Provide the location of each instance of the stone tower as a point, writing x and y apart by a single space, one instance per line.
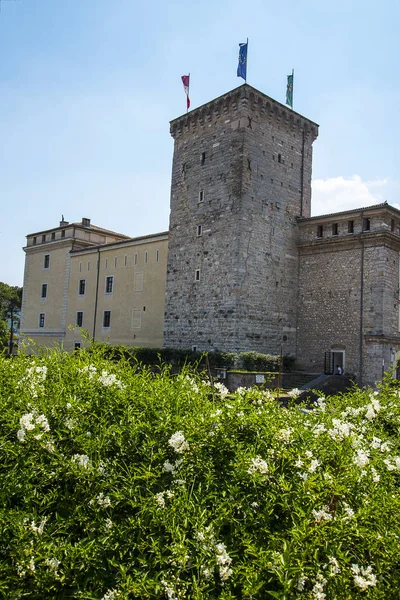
241 177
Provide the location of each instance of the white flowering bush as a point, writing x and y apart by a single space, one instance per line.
117 483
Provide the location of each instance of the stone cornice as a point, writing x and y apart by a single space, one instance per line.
350 241
243 100
355 212
381 338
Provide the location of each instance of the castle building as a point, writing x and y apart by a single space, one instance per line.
243 266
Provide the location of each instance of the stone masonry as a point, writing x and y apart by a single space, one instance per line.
241 177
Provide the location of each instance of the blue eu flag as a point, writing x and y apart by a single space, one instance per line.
242 65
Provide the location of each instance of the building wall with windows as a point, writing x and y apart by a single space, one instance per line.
243 267
123 299
349 291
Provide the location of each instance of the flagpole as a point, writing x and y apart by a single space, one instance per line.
247 57
292 87
187 108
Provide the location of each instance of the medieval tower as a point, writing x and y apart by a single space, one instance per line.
241 178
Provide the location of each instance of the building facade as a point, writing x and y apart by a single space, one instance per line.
243 266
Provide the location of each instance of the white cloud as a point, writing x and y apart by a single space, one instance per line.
338 194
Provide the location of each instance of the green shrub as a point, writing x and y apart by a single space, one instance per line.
117 482
254 361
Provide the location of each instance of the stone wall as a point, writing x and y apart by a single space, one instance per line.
241 176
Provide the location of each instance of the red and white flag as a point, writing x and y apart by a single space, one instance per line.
185 81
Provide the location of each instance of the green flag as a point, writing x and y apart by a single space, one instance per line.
289 90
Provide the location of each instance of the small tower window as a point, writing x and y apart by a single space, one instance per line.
350 227
199 229
44 290
201 196
146 257
197 275
335 229
320 231
53 235
43 238
392 224
34 240
366 224
280 158
157 256
203 158
46 263
63 233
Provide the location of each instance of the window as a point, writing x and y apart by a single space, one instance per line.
197 275
41 319
138 281
79 318
53 235
44 238
146 257
106 318
88 265
106 264
350 227
136 322
199 229
392 225
125 260
46 262
320 231
201 196
157 256
366 224
280 158
77 345
194 348
34 240
115 262
109 284
335 229
135 259
80 267
203 158
82 287
44 290
63 233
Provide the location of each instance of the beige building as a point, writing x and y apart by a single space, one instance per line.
82 277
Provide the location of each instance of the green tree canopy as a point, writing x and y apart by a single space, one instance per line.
10 306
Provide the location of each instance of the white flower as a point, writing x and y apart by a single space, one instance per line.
364 580
318 429
178 443
285 434
170 592
254 505
258 465
375 475
90 370
69 423
26 422
110 595
21 435
43 422
159 498
103 500
82 460
299 463
109 524
301 583
207 573
53 563
308 453
322 515
314 465
109 379
349 511
49 447
294 393
31 565
341 429
361 458
38 529
223 391
334 566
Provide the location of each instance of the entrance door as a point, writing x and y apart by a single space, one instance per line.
338 360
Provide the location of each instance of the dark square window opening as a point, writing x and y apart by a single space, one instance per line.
335 229
82 287
41 319
350 227
44 290
53 235
46 262
366 224
320 231
79 318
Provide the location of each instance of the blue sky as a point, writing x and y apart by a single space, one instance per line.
88 87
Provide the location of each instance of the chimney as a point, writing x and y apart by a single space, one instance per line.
85 222
63 222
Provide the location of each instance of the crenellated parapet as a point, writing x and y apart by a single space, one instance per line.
242 101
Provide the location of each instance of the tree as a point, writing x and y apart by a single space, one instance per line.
10 307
